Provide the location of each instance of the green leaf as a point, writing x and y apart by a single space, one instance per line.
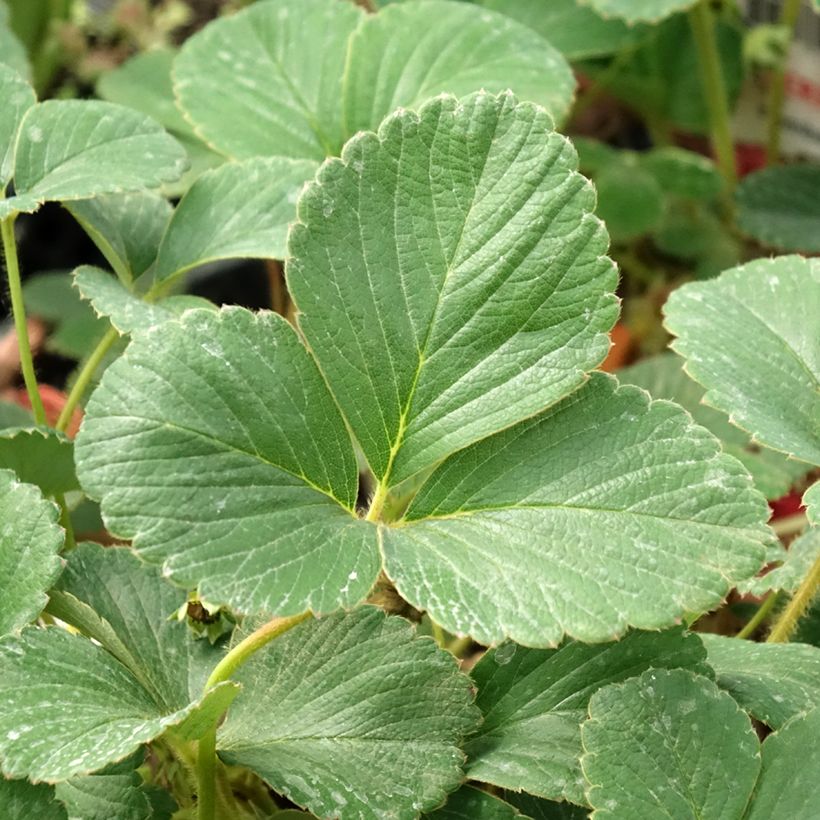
794 567
366 725
76 149
607 511
779 207
41 457
750 338
16 97
788 785
668 744
663 377
630 200
13 415
576 31
72 705
23 801
127 228
639 11
127 311
534 701
470 803
12 51
241 209
683 173
485 296
811 500
772 681
257 473
30 542
397 59
539 809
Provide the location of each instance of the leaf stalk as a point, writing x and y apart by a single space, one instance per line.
800 602
777 90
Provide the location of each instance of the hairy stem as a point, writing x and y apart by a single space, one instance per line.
777 90
242 652
763 612
787 622
702 22
85 376
19 311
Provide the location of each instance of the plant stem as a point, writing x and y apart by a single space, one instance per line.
206 755
763 612
85 376
786 623
19 311
777 91
714 89
374 511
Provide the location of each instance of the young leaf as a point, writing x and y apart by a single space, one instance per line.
450 277
30 542
779 207
398 59
16 97
788 785
670 744
365 724
21 800
771 681
72 705
639 11
794 567
241 209
470 803
605 512
663 377
227 415
127 228
41 457
76 149
749 337
127 311
534 701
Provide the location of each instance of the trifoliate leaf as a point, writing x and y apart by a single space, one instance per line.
668 744
73 705
683 173
771 681
241 209
639 11
663 377
470 803
751 338
788 785
127 311
76 149
398 59
450 277
30 542
41 457
489 546
794 567
576 31
229 416
366 725
22 800
127 228
537 808
779 207
16 97
534 701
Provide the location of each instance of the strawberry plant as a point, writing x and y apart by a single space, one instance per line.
401 548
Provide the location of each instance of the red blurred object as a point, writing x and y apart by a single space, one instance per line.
53 403
789 504
618 354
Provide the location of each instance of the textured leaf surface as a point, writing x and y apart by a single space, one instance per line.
127 228
22 800
366 724
668 524
788 785
811 500
773 682
752 339
241 209
215 445
469 803
537 808
664 378
127 311
16 97
639 11
30 541
779 207
397 59
534 701
483 298
76 149
668 744
41 457
795 566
